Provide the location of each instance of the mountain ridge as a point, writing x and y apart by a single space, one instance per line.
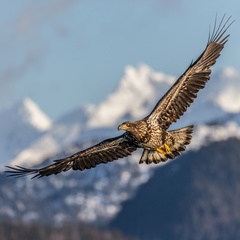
193 197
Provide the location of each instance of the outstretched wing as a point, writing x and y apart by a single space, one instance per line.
104 152
176 101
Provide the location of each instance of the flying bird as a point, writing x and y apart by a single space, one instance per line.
151 133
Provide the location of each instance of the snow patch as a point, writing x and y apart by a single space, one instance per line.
225 87
32 113
38 151
205 134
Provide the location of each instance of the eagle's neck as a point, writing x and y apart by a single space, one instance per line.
140 131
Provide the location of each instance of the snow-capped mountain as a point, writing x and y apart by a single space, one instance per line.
96 195
19 127
137 93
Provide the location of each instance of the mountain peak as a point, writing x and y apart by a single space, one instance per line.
20 125
31 113
137 84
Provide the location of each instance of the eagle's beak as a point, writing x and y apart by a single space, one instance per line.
122 127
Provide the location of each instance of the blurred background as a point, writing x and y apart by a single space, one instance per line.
70 72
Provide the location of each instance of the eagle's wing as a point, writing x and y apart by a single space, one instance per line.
176 101
106 151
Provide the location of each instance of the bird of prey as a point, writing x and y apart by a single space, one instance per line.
151 133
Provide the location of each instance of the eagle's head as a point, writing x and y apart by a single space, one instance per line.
127 126
138 129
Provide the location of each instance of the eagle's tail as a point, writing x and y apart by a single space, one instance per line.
181 137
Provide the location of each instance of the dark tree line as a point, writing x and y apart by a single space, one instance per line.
36 231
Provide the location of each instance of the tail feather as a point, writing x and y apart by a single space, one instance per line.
181 137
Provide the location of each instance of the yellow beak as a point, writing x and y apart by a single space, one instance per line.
122 127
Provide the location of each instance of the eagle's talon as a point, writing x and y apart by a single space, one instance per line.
164 149
167 148
160 150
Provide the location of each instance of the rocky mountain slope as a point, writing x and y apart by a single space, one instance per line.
194 197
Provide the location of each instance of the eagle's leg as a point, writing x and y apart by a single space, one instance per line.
164 149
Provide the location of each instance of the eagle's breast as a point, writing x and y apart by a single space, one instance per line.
149 135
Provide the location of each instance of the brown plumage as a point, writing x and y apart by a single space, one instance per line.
150 133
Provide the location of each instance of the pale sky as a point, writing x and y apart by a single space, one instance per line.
66 53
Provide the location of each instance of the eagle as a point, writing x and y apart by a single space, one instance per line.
150 133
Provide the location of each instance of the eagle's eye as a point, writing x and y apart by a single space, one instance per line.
127 124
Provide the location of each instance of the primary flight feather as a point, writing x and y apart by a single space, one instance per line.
151 133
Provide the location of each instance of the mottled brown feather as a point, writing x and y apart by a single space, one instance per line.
104 152
176 101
